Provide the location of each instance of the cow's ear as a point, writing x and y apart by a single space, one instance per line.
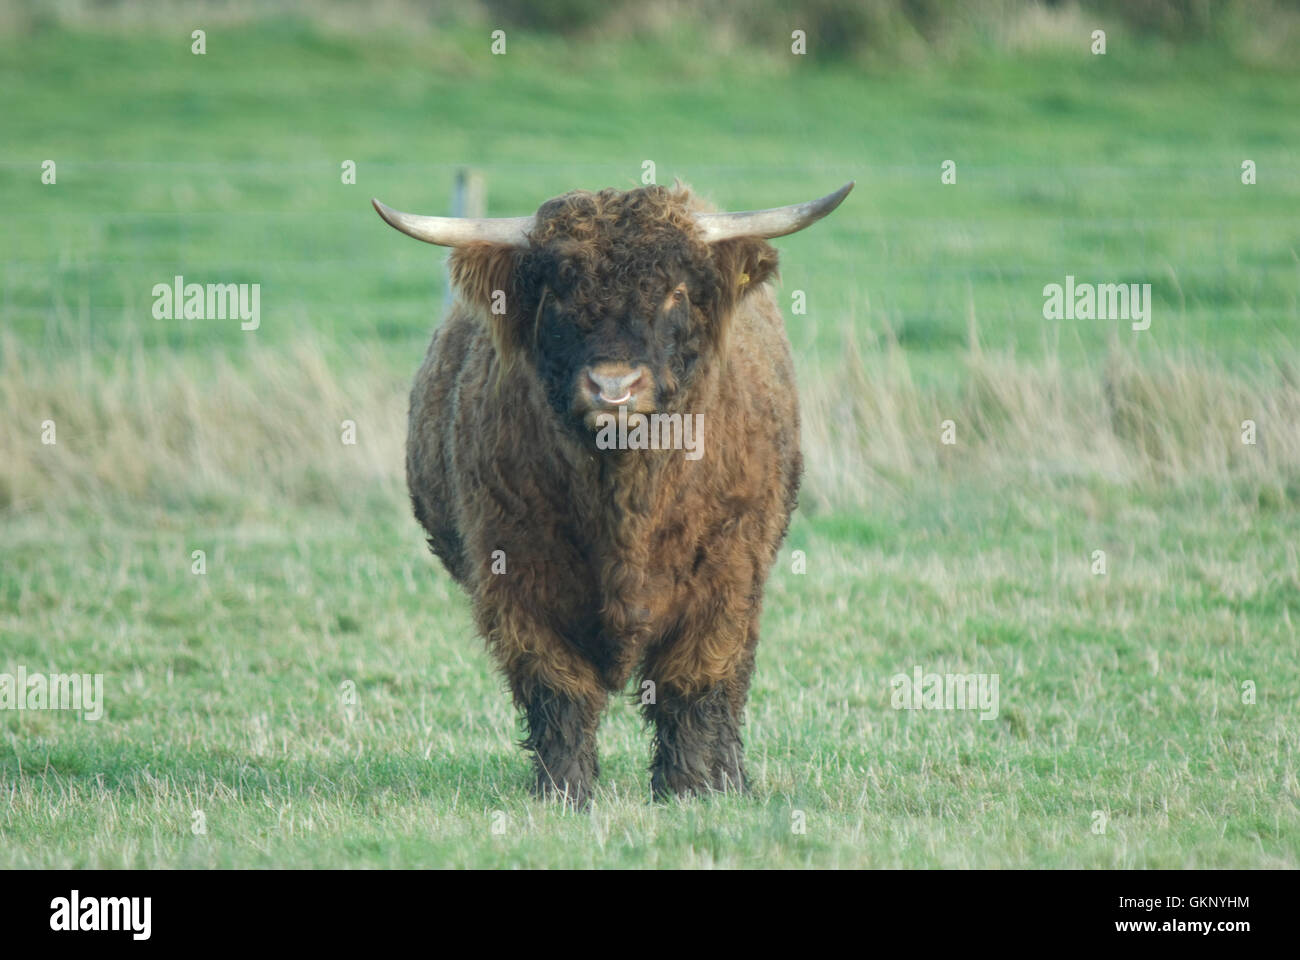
486 275
744 264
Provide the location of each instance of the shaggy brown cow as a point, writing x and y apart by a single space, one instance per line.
586 563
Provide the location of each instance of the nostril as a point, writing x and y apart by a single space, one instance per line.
608 389
615 387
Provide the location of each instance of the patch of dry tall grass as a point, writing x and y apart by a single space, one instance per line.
261 425
1166 420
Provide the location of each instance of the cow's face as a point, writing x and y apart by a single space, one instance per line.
620 303
630 327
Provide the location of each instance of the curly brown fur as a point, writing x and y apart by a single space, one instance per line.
615 560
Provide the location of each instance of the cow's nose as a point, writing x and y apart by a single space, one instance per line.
616 383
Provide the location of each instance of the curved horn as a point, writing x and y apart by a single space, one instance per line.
458 231
776 222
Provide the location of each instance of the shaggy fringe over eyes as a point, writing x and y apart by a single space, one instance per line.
593 251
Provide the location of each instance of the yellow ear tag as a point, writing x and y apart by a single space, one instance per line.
744 279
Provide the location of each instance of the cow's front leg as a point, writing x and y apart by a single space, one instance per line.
559 694
697 745
698 707
562 736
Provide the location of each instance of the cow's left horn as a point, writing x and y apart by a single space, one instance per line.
458 231
776 222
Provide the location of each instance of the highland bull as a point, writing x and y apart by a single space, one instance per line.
589 563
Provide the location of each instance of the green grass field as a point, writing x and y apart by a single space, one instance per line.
1121 694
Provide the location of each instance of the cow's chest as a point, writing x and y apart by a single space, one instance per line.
631 594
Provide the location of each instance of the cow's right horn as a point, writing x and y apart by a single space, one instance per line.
458 231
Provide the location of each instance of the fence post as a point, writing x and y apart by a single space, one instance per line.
468 199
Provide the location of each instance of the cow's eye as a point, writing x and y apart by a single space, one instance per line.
678 295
